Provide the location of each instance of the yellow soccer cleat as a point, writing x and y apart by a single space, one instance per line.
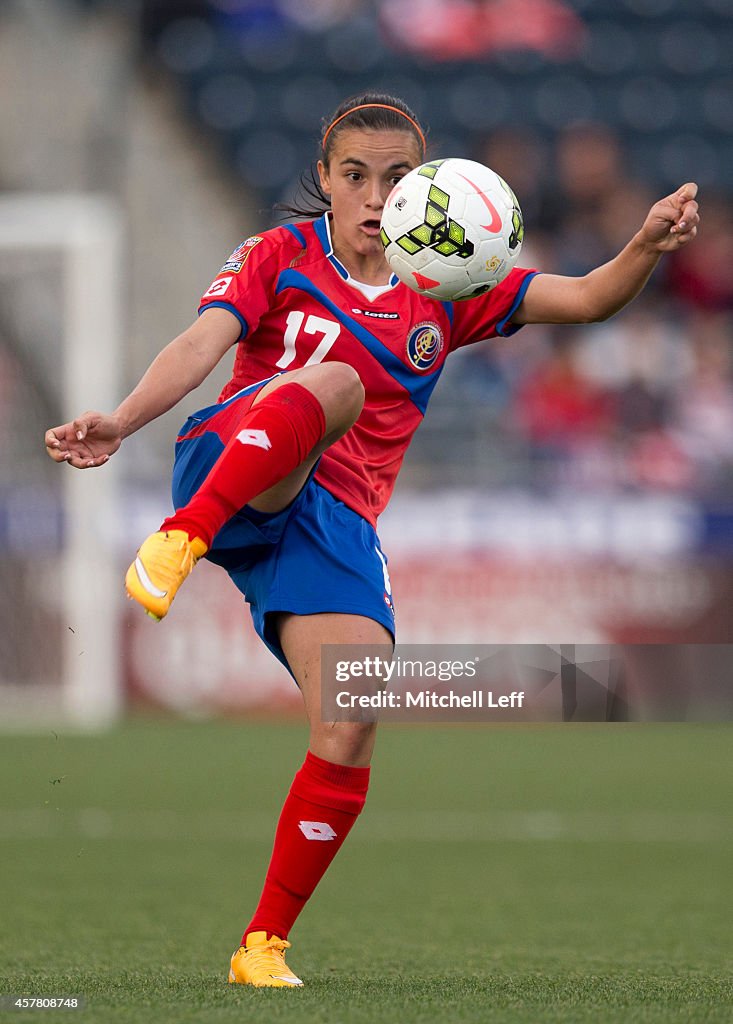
262 963
162 564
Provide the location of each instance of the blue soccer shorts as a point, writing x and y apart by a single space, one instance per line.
315 555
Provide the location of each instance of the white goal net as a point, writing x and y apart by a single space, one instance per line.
60 323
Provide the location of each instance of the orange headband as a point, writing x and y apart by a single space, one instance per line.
382 106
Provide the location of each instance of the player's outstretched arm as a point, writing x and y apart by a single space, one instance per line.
671 223
92 438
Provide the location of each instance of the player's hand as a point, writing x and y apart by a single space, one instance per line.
86 442
672 222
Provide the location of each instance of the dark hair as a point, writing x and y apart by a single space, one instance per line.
371 110
374 110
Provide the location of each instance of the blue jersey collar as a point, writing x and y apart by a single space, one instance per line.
322 228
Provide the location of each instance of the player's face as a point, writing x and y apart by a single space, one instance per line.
365 166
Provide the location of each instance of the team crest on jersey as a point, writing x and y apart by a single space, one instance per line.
424 345
239 257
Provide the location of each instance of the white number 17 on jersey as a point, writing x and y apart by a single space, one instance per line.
313 325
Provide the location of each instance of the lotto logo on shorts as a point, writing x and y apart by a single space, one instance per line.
318 830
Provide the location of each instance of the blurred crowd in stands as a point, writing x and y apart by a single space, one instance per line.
644 400
440 29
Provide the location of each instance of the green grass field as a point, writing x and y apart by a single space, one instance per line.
517 874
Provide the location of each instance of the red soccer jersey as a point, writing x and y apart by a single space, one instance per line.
298 306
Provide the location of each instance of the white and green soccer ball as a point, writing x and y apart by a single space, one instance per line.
452 229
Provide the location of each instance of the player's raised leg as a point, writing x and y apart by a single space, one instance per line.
267 458
326 797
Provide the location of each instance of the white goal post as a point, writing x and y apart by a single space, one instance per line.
86 232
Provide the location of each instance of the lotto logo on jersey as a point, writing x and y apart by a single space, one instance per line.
424 345
239 257
373 315
218 287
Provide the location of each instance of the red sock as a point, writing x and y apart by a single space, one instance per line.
270 441
323 804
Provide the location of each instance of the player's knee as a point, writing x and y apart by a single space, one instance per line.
339 389
345 393
343 742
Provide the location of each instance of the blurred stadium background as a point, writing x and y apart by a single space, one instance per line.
586 497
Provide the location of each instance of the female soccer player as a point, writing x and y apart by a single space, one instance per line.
281 482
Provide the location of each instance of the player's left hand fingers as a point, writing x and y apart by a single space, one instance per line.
687 191
687 216
683 237
687 220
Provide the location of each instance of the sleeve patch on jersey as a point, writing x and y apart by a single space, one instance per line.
239 257
219 286
231 267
